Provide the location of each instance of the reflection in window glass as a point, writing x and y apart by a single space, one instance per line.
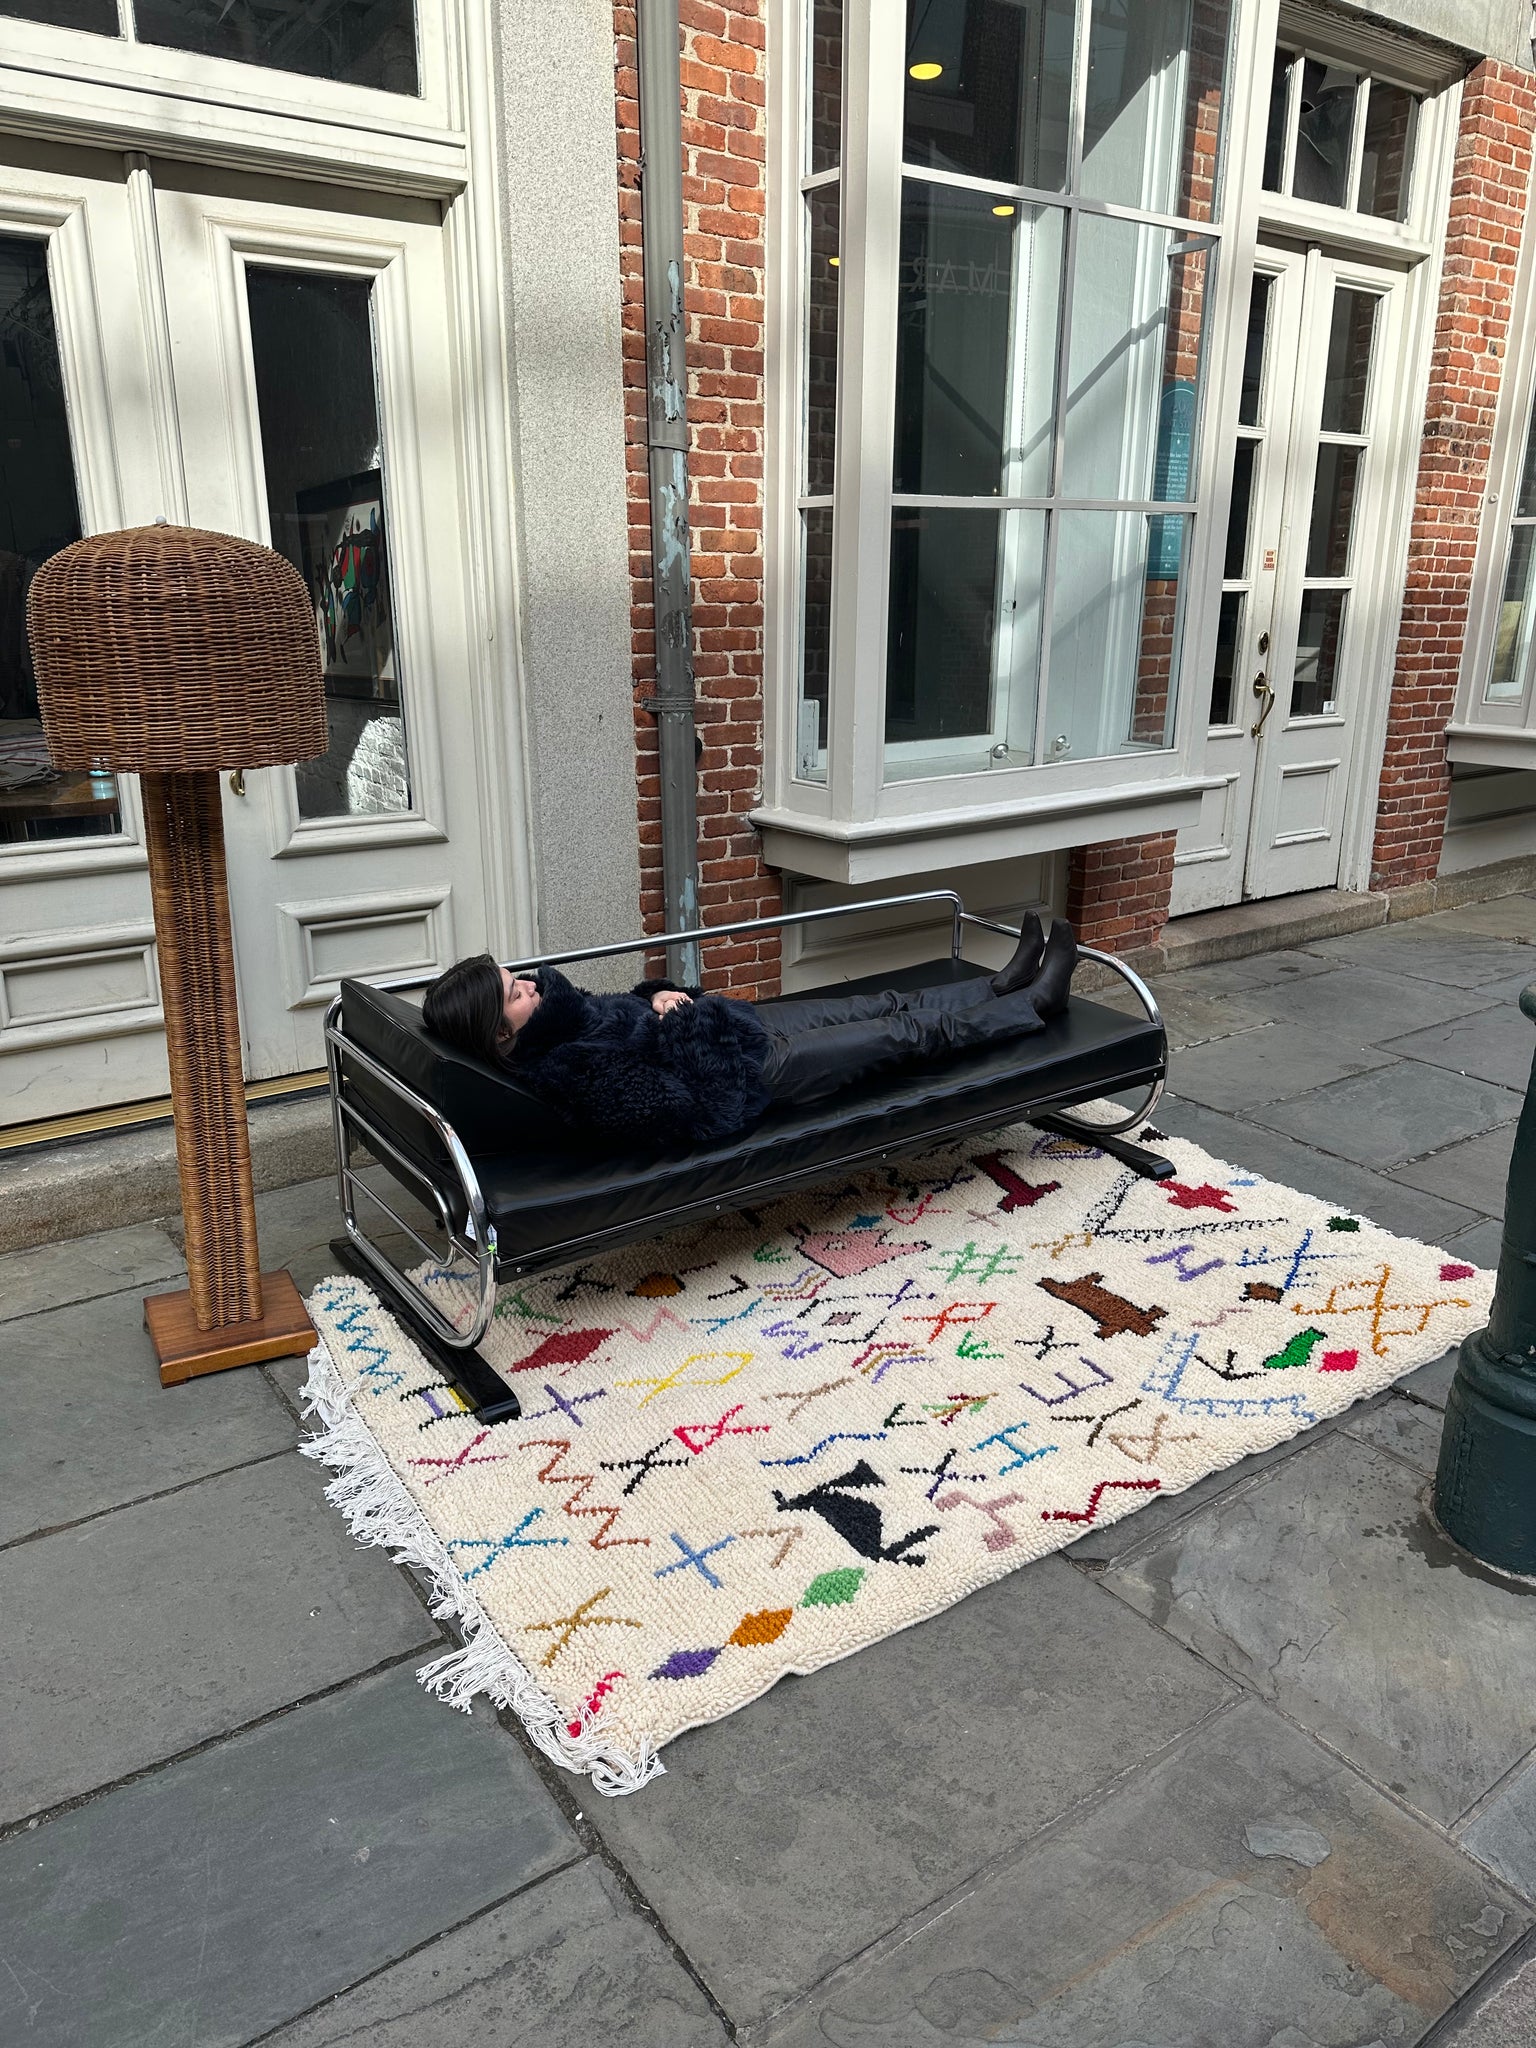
39 514
1347 378
1250 406
1386 151
1525 507
96 17
1324 125
1114 625
825 126
1274 133
1319 633
1229 628
312 347
1333 510
1512 638
822 209
989 89
1141 72
980 287
350 42
1238 519
815 643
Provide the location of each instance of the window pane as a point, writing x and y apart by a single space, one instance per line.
821 294
1333 510
1526 506
1386 159
1347 381
1114 619
979 295
815 643
1512 641
1323 130
1229 631
963 657
1134 362
98 17
989 89
1319 633
1239 518
38 515
1250 407
1154 103
1274 134
351 42
312 344
825 127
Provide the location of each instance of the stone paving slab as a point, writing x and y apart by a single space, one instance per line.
88 1425
788 1835
1247 1891
1266 1065
1503 1833
569 1964
1389 1202
1325 1588
1490 1045
1259 970
1430 951
1363 1005
1477 1171
1431 1383
1405 1428
1503 917
154 1628
1481 1244
51 1275
1500 2014
1392 1115
1191 1018
211 1902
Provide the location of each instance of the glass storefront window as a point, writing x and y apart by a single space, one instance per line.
39 514
1317 112
1510 667
312 351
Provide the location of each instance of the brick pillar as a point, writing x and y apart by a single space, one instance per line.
1118 892
1482 246
724 198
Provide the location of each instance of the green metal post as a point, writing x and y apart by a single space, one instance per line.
1485 1488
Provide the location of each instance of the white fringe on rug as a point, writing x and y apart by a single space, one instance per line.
379 1510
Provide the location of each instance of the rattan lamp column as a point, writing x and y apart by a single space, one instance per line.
172 653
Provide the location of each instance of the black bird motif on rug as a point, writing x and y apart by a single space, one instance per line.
857 1521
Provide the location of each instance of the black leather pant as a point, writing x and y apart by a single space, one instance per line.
821 1045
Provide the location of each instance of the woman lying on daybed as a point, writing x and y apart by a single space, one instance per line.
665 1065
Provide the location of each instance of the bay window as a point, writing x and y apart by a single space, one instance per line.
999 243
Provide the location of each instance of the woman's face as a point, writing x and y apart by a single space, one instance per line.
519 1000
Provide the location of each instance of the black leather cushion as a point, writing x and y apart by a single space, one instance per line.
543 1186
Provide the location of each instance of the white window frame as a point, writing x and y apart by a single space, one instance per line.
856 826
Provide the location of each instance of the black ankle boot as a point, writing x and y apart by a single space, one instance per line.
1053 984
1025 964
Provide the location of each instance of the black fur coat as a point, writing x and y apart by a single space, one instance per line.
608 1062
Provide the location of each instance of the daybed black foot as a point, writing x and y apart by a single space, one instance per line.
487 1393
1150 1165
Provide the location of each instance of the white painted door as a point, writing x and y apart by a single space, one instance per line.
1302 579
314 383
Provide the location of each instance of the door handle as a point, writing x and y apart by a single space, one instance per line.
1262 689
237 782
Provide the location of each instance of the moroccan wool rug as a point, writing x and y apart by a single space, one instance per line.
756 1447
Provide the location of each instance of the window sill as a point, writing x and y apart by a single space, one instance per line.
1491 746
884 849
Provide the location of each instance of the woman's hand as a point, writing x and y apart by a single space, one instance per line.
666 999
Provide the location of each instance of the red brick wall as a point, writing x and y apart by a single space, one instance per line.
724 197
1493 165
1117 892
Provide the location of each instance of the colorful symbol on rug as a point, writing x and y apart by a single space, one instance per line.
1202 1197
1263 1290
568 1406
790 1538
449 1467
648 1462
1099 1420
833 1589
1181 1258
581 1483
565 1626
952 1317
972 1346
1114 1315
1374 1302
699 1436
593 1701
1296 1352
876 1360
1019 1456
1017 1193
944 1412
940 1473
847 1253
513 1302
657 1287
664 1319
1343 1223
912 1421
770 1255
496 1547
695 1558
1339 1361
756 1631
1000 1536
1090 1513
1154 1439
838 1436
377 1372
668 1383
803 1400
685 1664
1071 1388
1181 1352
443 1402
840 1504
970 1263
561 1347
1454 1272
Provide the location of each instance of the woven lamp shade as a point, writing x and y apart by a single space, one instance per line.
164 649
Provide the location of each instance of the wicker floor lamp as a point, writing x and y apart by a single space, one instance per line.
172 653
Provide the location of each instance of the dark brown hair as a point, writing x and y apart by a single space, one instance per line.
463 1006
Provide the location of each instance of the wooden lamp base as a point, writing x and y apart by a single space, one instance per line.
283 1330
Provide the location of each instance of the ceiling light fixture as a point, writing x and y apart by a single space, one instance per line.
925 73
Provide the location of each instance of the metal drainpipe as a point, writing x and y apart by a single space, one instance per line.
661 203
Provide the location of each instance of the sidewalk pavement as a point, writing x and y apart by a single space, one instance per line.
1255 1768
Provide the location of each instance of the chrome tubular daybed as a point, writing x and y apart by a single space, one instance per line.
514 1191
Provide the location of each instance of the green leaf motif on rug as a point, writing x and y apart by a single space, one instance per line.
834 1589
972 1346
1297 1351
